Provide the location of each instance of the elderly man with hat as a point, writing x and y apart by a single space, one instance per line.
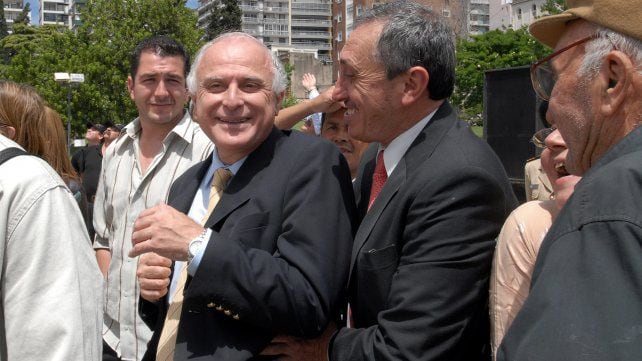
586 293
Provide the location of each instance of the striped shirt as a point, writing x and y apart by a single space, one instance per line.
123 192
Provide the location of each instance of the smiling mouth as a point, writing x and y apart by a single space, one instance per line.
233 121
560 168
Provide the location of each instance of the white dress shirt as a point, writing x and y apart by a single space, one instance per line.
196 212
398 147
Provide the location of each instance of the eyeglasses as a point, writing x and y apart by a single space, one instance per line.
540 136
542 75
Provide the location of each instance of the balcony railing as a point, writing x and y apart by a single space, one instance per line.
250 20
280 33
249 8
276 9
311 22
312 34
322 12
275 21
320 46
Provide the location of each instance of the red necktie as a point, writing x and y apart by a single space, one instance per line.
379 178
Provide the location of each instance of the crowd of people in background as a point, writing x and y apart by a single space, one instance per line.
382 229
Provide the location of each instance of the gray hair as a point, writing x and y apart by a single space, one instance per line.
413 35
279 78
597 49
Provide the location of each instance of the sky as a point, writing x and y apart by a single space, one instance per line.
35 8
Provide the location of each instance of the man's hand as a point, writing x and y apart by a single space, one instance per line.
288 348
153 276
307 128
324 102
309 81
165 231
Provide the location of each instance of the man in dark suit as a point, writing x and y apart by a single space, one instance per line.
432 197
261 264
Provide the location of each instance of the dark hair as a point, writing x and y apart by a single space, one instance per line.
162 46
413 35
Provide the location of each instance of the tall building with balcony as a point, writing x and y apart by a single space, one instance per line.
514 13
284 25
346 12
478 17
12 8
61 12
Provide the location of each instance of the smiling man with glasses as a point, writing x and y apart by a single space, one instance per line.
584 302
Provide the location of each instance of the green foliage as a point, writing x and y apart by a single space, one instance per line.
492 50
100 48
3 22
23 17
289 99
553 7
225 16
4 31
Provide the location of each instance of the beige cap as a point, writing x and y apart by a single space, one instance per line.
623 16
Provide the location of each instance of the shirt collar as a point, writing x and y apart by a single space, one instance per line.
183 129
216 164
398 147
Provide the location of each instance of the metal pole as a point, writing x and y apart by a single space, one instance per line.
69 118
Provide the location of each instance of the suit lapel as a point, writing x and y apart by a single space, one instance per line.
182 196
239 190
420 150
390 188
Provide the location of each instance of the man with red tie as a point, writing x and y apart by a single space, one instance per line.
431 196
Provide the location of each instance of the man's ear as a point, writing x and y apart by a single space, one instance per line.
130 87
192 107
9 132
615 79
415 84
279 102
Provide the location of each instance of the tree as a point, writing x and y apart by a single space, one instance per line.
4 31
23 17
225 16
3 22
492 50
100 48
553 7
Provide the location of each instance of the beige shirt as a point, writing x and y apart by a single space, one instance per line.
536 183
123 192
513 263
51 287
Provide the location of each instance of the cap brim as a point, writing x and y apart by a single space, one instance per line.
549 29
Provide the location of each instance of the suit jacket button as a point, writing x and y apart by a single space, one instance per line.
236 317
219 308
211 305
228 313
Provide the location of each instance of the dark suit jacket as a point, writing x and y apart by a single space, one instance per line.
277 261
422 254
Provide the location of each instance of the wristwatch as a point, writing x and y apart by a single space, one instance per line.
195 245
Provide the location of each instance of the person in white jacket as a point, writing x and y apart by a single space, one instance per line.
50 285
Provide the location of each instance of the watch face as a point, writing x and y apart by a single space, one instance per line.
194 247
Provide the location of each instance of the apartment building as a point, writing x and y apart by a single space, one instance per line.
12 8
345 13
514 14
284 25
61 12
478 16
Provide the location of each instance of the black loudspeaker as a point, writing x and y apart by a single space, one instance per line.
511 116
